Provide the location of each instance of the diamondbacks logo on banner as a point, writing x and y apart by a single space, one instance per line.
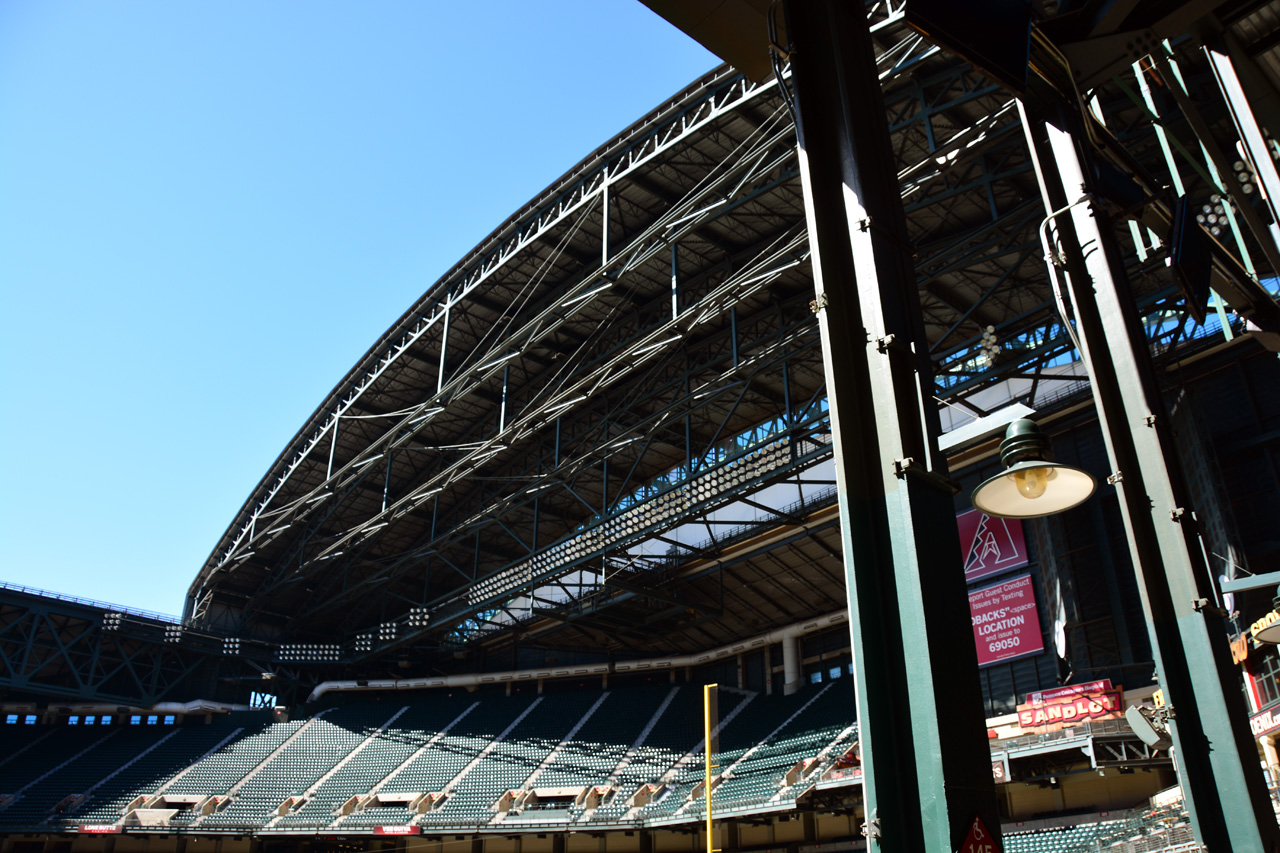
990 545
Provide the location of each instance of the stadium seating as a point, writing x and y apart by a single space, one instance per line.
219 773
1058 840
89 756
186 746
380 754
366 763
507 763
319 744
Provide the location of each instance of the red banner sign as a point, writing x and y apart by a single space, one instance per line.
989 545
99 829
397 830
1005 622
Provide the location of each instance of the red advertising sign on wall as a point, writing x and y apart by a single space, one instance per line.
1005 622
990 545
1071 710
397 830
1265 723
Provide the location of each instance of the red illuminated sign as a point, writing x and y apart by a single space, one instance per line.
99 829
989 545
1006 625
397 830
1069 710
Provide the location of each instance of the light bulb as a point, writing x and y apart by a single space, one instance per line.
1031 482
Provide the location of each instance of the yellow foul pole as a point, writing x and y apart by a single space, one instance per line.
706 752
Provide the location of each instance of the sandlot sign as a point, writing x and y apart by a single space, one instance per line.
1069 706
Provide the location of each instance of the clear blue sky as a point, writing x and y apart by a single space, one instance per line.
210 209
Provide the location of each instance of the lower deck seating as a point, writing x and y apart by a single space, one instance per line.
1062 839
471 747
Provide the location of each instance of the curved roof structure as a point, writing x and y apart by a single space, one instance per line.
608 418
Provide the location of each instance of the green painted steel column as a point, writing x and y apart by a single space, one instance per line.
1215 753
926 763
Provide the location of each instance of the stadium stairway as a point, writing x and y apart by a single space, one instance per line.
300 763
220 771
638 764
605 741
560 748
17 776
684 775
311 802
506 762
758 772
86 755
444 757
168 760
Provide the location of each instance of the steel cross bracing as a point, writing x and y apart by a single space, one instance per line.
58 648
635 154
363 465
520 233
543 325
674 402
606 335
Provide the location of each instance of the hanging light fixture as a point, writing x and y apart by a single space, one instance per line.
1032 484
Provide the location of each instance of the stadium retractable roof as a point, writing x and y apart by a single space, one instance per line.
583 432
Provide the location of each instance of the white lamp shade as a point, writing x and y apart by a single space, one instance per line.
1067 487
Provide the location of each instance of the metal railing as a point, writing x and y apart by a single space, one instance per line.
89 602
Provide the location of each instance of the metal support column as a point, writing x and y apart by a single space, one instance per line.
1215 754
1264 234
927 767
1251 134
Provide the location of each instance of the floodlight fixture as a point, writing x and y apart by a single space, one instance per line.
1032 484
1150 725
